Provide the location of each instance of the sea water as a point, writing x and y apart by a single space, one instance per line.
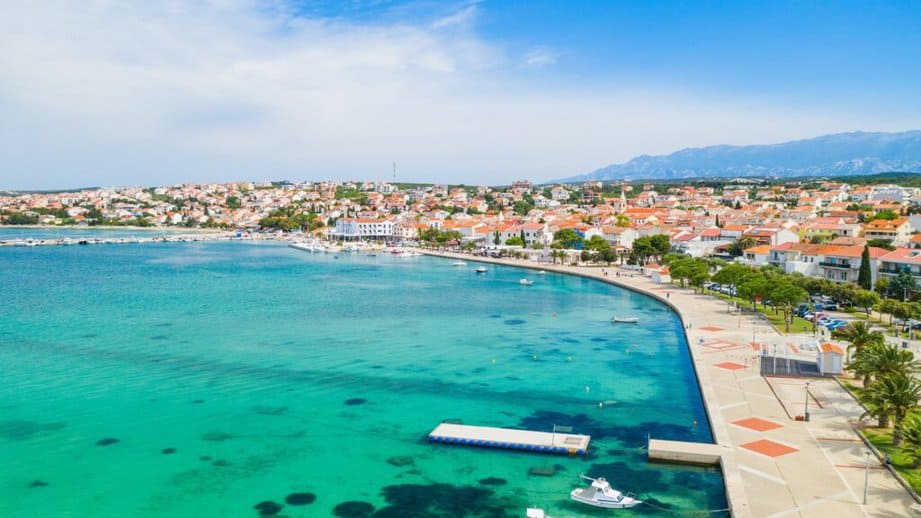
203 379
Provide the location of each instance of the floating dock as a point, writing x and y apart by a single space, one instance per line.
685 452
490 437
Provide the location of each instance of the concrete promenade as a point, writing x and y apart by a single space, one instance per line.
773 465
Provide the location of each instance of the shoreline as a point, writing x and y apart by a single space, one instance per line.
735 496
179 230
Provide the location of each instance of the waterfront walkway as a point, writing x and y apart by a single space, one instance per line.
773 465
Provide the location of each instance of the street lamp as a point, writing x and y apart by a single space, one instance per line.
866 478
806 414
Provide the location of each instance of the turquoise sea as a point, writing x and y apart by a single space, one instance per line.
203 379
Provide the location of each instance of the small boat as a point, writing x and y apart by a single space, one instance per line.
481 269
525 282
536 512
601 494
458 263
624 320
541 272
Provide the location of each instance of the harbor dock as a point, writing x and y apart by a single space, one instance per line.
490 437
684 452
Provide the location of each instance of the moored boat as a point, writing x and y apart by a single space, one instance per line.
458 263
481 269
624 320
525 282
601 494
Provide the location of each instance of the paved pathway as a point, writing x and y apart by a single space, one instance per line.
773 465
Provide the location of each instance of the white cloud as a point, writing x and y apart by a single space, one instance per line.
147 93
539 57
463 18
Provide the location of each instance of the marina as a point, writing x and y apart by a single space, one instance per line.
491 437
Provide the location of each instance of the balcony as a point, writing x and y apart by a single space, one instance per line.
835 264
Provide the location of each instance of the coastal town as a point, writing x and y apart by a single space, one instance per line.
818 229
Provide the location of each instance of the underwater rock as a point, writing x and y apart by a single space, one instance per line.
205 457
268 508
400 460
168 451
221 463
198 401
353 509
355 401
19 430
514 322
542 471
107 441
300 498
38 483
493 481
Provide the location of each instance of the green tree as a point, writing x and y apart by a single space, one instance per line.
911 434
754 285
883 360
864 277
496 239
514 241
568 237
597 244
882 286
695 271
785 296
233 202
881 243
731 274
902 285
608 255
643 249
866 299
660 243
900 392
738 247
885 214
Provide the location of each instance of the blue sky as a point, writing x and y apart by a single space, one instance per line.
474 92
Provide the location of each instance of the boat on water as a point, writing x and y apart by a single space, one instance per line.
541 272
525 282
601 494
535 512
481 269
458 263
624 320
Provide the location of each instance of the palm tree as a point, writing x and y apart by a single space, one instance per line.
900 393
880 359
886 360
911 433
859 335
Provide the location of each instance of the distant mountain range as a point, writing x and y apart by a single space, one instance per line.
841 154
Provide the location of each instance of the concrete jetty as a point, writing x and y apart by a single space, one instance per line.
684 452
491 437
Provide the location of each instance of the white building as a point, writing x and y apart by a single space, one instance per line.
364 228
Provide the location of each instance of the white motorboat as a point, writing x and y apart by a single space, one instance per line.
536 512
458 263
481 269
601 494
541 272
624 320
525 282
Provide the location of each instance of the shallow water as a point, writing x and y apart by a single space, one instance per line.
231 374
